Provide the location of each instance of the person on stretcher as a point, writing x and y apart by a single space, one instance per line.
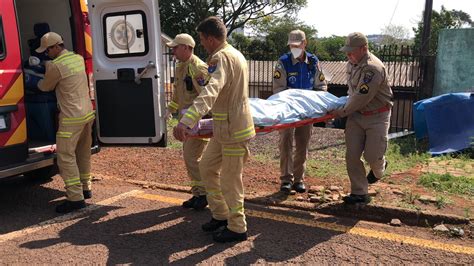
284 108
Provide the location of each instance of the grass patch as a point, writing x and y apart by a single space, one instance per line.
442 201
459 185
327 163
403 155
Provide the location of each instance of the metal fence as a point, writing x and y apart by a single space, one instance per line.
402 64
403 67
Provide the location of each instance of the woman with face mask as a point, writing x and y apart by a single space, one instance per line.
297 69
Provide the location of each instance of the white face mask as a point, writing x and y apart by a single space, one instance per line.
296 52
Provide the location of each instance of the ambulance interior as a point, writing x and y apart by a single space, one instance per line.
35 18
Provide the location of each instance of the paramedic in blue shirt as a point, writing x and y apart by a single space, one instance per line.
297 69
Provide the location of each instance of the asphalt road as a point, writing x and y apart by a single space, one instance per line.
128 224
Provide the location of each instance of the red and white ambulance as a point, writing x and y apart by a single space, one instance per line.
125 74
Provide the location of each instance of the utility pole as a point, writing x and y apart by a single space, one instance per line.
425 47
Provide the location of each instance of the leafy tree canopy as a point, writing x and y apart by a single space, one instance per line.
445 19
184 15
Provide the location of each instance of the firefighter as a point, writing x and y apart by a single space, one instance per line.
368 111
66 75
189 70
297 69
225 93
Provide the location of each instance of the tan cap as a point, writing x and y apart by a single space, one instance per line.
49 39
296 37
354 40
182 38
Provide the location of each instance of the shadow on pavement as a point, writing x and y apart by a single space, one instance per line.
136 238
25 202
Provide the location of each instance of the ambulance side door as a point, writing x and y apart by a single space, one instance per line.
13 133
129 91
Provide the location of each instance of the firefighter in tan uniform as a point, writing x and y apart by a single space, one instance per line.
368 110
297 69
66 75
189 71
225 93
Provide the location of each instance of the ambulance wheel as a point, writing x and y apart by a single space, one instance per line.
44 173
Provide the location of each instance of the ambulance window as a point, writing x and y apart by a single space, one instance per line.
2 41
126 34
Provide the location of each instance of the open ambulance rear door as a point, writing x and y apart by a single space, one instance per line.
130 97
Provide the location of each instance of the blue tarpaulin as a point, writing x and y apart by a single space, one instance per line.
447 120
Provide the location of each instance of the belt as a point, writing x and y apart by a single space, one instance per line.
383 109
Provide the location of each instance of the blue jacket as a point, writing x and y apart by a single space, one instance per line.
300 75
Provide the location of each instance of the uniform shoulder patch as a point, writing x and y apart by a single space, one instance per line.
368 76
202 80
364 89
212 66
277 74
278 66
321 77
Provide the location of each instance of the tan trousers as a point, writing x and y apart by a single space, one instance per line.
73 144
192 153
366 135
221 169
292 169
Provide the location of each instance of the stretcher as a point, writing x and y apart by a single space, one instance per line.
288 109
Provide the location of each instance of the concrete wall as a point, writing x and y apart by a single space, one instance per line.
455 61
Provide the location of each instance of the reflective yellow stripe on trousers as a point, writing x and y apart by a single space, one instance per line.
79 120
244 133
63 134
236 209
219 116
72 181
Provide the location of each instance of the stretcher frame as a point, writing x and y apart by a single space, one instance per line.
268 129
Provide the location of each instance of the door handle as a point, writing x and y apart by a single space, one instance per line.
138 78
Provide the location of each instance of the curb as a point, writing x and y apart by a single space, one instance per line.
370 212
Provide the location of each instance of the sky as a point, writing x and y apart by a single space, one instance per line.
341 17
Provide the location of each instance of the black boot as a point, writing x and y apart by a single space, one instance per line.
87 194
213 225
200 203
286 187
190 202
299 187
371 177
69 206
227 235
353 199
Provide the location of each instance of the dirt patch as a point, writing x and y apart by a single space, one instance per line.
261 173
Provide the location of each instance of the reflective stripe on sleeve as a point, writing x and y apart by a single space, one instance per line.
173 105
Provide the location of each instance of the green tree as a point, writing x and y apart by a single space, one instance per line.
184 15
275 31
327 49
445 19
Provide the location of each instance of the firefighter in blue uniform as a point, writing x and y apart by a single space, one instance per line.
297 69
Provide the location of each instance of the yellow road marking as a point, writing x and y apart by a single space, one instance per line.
160 198
424 243
66 217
